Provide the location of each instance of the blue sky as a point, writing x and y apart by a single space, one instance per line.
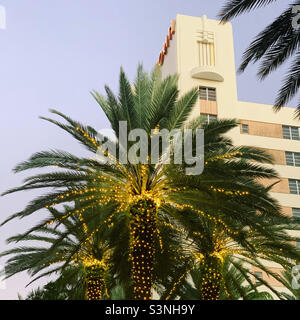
53 52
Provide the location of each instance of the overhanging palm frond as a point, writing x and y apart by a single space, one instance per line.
278 42
233 8
290 84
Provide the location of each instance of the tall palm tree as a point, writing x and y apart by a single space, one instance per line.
215 260
138 202
273 46
237 286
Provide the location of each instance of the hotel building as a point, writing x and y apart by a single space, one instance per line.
201 52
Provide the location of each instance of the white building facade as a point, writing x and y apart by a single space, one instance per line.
201 52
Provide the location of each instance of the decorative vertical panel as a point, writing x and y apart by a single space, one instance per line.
206 48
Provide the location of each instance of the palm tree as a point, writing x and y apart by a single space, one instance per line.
237 286
216 262
273 46
137 203
81 264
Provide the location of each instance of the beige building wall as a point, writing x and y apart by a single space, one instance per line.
170 57
265 126
202 53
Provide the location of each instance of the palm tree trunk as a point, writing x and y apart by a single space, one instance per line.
211 278
142 231
95 283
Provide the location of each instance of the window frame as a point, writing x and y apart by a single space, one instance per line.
295 213
208 96
290 135
297 182
295 158
208 116
245 126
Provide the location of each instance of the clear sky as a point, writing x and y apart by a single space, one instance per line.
53 52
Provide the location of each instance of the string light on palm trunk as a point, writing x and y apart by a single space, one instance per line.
143 227
95 274
211 264
211 278
95 283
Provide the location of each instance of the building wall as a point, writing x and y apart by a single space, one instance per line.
265 126
170 58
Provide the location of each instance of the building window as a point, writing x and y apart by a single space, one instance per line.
208 118
245 128
292 159
291 133
296 212
258 275
294 186
208 94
